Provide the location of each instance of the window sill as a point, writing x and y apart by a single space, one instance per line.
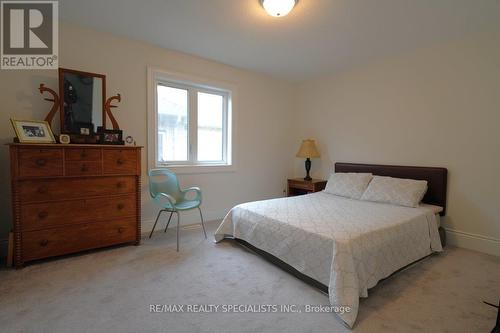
201 168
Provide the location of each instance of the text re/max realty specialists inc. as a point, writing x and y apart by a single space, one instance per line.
246 308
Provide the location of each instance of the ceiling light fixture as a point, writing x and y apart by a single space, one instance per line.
278 8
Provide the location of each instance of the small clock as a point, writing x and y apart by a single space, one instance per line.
130 140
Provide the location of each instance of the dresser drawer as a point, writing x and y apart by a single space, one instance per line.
70 188
44 215
300 185
83 154
62 240
118 161
45 162
83 168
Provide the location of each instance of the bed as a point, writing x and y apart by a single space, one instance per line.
342 245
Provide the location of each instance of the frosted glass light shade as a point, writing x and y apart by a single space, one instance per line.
278 8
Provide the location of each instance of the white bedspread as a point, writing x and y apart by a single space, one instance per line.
348 245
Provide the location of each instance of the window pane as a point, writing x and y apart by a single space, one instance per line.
172 124
210 127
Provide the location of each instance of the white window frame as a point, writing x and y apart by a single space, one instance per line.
193 85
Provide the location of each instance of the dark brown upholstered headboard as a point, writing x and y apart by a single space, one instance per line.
436 178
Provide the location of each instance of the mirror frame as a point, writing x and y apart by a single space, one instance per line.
61 93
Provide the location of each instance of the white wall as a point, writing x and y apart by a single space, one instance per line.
438 106
263 116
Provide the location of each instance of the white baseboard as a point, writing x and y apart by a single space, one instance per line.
474 242
186 219
4 244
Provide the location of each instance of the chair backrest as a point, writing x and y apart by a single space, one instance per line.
164 181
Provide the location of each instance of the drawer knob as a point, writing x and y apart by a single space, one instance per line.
120 206
41 162
44 242
120 161
119 185
120 230
43 215
83 154
42 189
84 168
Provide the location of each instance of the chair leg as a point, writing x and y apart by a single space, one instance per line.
156 221
178 229
202 223
169 218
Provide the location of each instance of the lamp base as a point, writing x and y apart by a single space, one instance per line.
308 168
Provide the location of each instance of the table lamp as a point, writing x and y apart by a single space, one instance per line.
308 150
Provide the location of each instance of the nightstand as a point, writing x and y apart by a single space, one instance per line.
299 186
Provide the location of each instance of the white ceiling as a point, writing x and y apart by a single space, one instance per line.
317 37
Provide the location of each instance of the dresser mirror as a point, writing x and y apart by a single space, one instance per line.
82 99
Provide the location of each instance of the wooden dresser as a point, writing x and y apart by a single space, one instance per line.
70 198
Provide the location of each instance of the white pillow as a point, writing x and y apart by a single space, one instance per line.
349 184
397 191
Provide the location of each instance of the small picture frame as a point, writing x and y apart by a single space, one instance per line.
111 137
33 131
84 129
64 139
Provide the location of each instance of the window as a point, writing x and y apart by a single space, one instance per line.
172 113
191 123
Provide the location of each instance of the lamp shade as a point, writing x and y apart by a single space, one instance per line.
308 149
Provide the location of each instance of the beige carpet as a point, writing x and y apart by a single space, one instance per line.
111 290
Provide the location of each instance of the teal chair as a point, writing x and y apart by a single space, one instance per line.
165 191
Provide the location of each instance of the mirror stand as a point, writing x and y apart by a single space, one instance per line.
71 95
54 99
107 110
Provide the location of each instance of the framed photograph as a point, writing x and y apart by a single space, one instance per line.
111 137
33 131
